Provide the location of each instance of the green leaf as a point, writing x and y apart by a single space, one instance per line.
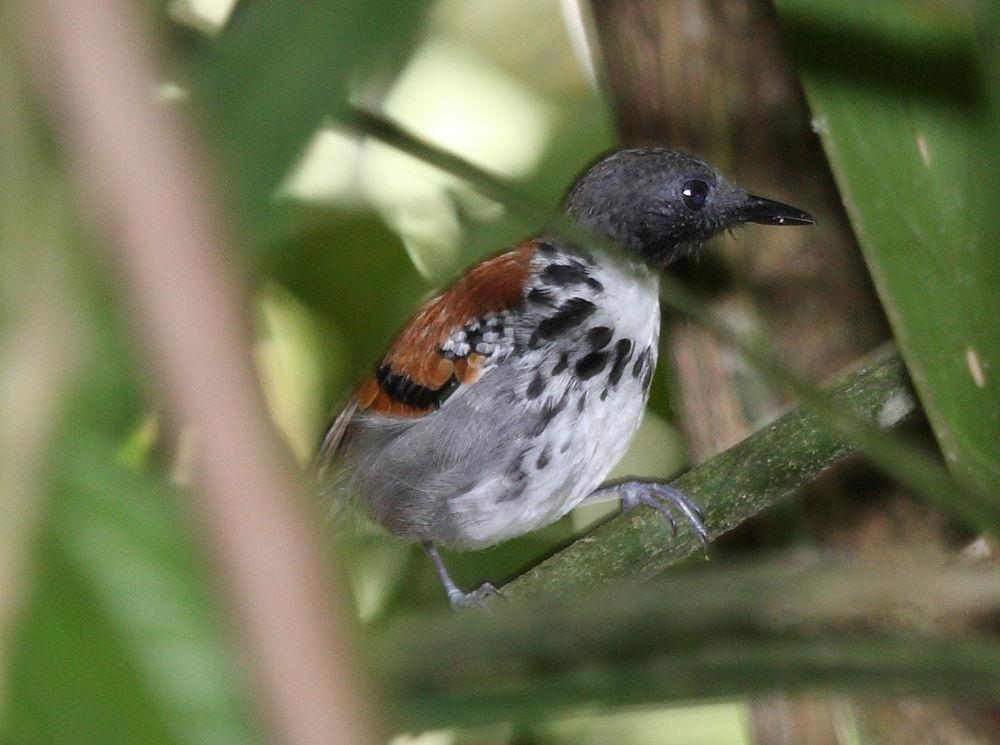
280 68
71 679
121 641
707 632
902 101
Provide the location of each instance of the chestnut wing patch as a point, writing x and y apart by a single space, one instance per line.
447 343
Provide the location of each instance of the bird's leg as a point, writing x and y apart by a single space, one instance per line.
459 599
662 497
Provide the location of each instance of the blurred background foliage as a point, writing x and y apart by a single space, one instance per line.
113 629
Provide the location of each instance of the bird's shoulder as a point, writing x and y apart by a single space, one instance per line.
450 339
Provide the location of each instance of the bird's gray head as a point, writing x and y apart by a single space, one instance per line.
662 204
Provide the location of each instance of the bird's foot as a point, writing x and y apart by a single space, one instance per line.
478 598
666 500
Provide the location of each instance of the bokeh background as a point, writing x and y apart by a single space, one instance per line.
879 118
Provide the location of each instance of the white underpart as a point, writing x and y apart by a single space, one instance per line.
582 446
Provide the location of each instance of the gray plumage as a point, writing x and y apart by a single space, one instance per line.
467 475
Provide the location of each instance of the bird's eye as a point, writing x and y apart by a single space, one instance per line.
695 194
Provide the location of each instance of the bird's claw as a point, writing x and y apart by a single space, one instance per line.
664 499
477 598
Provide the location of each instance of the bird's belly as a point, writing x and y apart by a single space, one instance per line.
583 450
560 459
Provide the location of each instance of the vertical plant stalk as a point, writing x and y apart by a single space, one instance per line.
39 331
39 344
140 176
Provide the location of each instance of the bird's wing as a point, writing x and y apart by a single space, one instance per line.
444 346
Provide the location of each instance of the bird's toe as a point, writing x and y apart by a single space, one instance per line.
478 598
666 500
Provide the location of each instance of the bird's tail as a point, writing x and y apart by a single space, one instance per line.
334 437
324 465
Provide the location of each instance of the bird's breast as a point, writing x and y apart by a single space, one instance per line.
584 362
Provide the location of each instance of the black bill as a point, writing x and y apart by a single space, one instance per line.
769 212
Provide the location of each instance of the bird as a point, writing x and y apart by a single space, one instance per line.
507 398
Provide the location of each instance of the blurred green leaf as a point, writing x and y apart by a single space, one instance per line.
717 723
72 680
903 105
280 68
707 632
120 641
339 269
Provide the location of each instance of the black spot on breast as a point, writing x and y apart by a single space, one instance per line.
568 275
549 412
544 457
591 364
604 395
647 378
581 403
515 472
564 275
542 296
562 364
640 363
599 337
571 314
623 351
536 387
